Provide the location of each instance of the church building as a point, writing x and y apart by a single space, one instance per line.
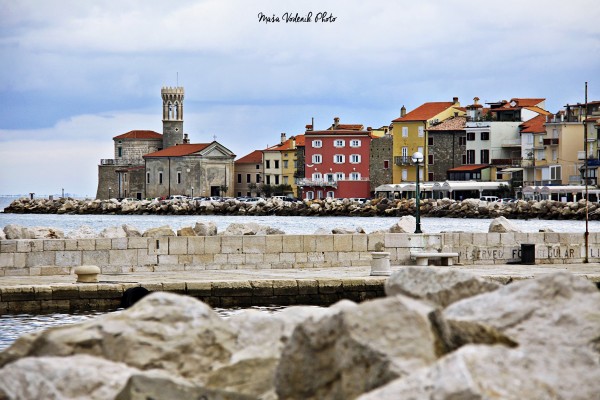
148 164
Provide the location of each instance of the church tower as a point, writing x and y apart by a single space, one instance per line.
172 116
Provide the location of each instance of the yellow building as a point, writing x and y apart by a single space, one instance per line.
410 135
280 163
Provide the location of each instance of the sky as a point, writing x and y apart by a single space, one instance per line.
77 73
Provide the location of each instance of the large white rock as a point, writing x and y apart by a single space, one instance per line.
13 231
557 310
131 231
406 224
442 286
113 232
205 229
502 225
359 348
250 228
496 372
159 232
82 232
175 333
2 234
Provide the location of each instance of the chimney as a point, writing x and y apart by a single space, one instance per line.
309 127
402 111
282 137
186 139
455 101
336 122
475 100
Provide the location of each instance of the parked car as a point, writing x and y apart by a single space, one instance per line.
489 198
506 200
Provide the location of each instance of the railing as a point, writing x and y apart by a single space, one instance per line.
551 142
511 143
324 183
121 161
402 160
513 162
547 182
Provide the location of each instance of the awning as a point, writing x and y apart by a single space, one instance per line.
510 170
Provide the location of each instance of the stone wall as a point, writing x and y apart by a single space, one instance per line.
139 254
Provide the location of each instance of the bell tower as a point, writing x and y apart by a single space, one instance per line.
172 98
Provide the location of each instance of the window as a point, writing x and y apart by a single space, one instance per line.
404 151
310 195
354 176
355 158
386 164
285 163
119 151
470 156
160 178
430 159
420 149
329 177
421 131
430 141
405 131
239 178
430 176
285 180
339 176
316 176
147 177
257 178
277 179
555 172
339 143
257 166
485 136
470 136
462 140
404 174
331 194
276 164
316 159
485 156
339 159
248 178
268 164
268 179
320 194
464 159
355 143
178 177
317 143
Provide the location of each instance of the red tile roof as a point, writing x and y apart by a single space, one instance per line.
350 127
472 167
140 135
299 140
253 158
179 150
534 125
425 111
450 124
527 102
336 132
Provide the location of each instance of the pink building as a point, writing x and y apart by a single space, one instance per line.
336 162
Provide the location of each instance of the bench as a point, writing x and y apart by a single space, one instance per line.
422 257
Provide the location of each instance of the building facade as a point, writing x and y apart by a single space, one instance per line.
249 172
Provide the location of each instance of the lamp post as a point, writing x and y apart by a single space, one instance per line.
192 192
109 189
63 193
417 159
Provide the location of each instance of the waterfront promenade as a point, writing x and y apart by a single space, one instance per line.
236 287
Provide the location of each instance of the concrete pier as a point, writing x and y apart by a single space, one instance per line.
234 287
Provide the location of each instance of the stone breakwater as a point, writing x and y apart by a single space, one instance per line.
439 333
469 208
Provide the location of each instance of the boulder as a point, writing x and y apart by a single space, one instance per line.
441 286
359 348
205 229
131 231
113 232
2 234
82 232
178 334
251 228
496 372
406 224
159 232
13 231
558 310
322 231
186 231
502 225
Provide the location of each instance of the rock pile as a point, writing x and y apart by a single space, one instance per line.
438 334
469 208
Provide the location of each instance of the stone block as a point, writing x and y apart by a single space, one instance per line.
254 259
175 287
199 289
301 258
231 244
285 287
143 258
95 257
212 244
220 259
54 245
16 272
86 244
346 257
8 246
315 257
274 243
37 258
324 243
51 270
24 307
7 260
138 243
33 271
185 259
353 284
359 242
194 268
109 291
203 259
307 286
70 244
169 267
66 292
168 259
270 258
360 263
342 242
292 244
466 238
158 246
231 288
479 240
236 259
143 268
24 245
310 243
88 291
287 257
20 260
254 244
103 244
433 241
327 286
376 242
178 245
119 243
196 245
262 288
67 258
394 240
55 306
508 239
122 257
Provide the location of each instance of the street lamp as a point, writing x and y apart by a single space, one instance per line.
109 189
192 192
417 159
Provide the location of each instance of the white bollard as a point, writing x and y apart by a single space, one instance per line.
87 273
380 263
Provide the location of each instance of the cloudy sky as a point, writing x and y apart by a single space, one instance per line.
77 73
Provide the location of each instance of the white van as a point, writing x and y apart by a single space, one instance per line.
488 198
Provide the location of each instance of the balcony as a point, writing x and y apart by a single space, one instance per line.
513 162
317 182
121 161
402 160
511 143
551 142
